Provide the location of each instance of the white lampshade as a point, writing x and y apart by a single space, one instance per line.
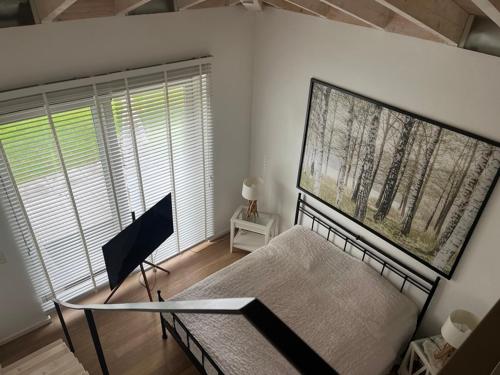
251 187
458 327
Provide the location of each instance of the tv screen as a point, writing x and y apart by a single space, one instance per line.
129 248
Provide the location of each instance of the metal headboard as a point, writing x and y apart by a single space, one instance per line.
404 273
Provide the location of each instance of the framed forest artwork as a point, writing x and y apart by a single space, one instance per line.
419 184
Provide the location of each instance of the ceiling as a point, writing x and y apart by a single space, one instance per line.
445 21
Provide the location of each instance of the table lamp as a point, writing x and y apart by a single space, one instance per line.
250 191
455 331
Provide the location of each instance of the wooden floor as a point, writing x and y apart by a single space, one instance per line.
132 342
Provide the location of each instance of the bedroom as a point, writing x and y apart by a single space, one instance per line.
261 71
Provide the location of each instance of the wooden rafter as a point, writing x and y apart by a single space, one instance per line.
48 10
400 25
444 18
212 4
186 4
82 9
285 5
326 11
374 14
491 8
123 7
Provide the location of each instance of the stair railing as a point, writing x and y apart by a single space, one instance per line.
288 343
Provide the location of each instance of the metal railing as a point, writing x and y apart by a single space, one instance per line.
288 343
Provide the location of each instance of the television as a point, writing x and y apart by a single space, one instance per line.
129 248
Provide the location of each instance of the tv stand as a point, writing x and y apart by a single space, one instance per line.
156 266
146 283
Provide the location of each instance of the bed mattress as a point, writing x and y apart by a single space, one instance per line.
354 318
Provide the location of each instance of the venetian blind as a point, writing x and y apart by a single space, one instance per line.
75 162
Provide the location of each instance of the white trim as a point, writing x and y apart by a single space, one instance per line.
101 125
68 185
203 140
172 172
33 90
26 330
134 145
128 99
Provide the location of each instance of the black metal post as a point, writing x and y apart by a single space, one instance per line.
97 342
296 220
427 302
163 328
63 325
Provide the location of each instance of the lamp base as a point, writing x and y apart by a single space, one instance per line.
444 353
251 213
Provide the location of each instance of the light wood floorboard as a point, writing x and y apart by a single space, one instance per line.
132 342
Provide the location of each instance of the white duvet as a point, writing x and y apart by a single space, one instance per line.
354 318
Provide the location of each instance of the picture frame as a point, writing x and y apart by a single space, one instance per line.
417 183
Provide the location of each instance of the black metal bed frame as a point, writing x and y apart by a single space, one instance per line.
407 274
165 325
389 265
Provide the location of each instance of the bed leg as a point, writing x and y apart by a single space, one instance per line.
162 322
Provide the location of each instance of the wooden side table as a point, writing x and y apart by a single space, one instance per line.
418 360
250 234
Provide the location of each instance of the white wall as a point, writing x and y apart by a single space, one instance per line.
20 308
457 87
43 53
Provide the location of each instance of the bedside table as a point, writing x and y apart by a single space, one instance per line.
250 234
419 358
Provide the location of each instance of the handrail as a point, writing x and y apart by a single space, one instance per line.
202 306
288 343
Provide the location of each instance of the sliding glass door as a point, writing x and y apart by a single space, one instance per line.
75 163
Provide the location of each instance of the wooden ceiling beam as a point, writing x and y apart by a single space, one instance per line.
373 13
123 7
48 10
323 10
186 4
444 18
213 4
491 8
285 5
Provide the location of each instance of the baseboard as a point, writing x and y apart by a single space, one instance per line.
25 330
218 236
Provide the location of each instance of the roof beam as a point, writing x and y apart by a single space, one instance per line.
123 7
186 4
374 14
491 8
401 25
444 18
320 9
48 10
285 5
212 4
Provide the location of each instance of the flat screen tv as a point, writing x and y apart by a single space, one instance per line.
129 248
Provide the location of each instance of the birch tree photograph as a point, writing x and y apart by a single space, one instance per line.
417 184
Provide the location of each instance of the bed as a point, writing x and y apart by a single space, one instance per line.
353 304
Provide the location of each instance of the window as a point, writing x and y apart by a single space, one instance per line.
75 162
